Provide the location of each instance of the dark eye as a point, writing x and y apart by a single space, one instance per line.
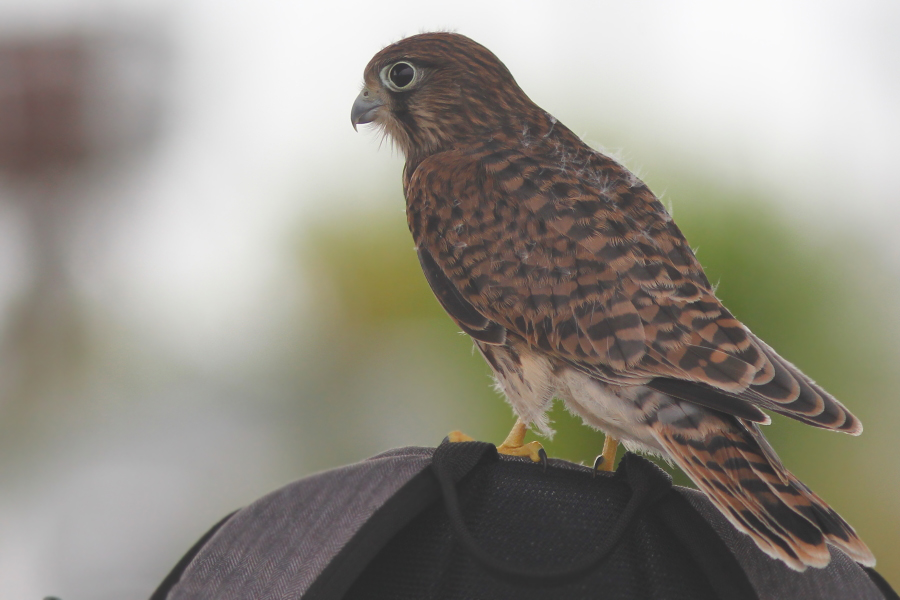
402 74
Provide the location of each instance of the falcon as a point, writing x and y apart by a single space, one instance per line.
576 284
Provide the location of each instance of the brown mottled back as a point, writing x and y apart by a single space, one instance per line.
540 246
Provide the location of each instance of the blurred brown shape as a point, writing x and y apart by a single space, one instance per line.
42 121
72 106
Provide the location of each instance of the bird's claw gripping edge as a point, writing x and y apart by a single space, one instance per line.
458 436
605 461
513 445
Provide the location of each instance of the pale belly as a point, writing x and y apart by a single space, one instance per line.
530 381
621 412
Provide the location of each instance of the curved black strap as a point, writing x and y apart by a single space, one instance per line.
701 542
395 514
648 484
883 586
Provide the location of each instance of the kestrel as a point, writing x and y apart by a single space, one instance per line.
575 283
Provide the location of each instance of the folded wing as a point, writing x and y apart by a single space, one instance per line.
587 265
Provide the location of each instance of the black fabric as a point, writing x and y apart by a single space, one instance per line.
722 571
883 586
647 485
381 528
511 530
396 513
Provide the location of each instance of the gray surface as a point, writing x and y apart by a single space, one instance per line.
276 547
773 580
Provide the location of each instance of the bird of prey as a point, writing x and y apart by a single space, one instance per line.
575 283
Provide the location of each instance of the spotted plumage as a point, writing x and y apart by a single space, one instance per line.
575 283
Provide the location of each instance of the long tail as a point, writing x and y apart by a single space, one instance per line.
730 460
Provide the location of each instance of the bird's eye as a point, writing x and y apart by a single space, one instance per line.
400 76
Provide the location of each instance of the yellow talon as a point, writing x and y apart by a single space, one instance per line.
607 460
513 445
532 450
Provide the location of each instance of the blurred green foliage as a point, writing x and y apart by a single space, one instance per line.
372 269
811 294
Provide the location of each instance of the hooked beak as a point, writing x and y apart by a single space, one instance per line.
364 108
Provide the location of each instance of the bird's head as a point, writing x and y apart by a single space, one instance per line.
432 91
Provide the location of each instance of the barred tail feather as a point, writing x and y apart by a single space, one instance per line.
732 463
791 393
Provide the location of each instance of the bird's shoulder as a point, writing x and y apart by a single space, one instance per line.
557 201
566 248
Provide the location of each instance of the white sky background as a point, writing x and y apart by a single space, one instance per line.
804 97
798 97
801 97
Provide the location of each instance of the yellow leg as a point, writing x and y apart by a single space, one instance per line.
513 445
606 461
